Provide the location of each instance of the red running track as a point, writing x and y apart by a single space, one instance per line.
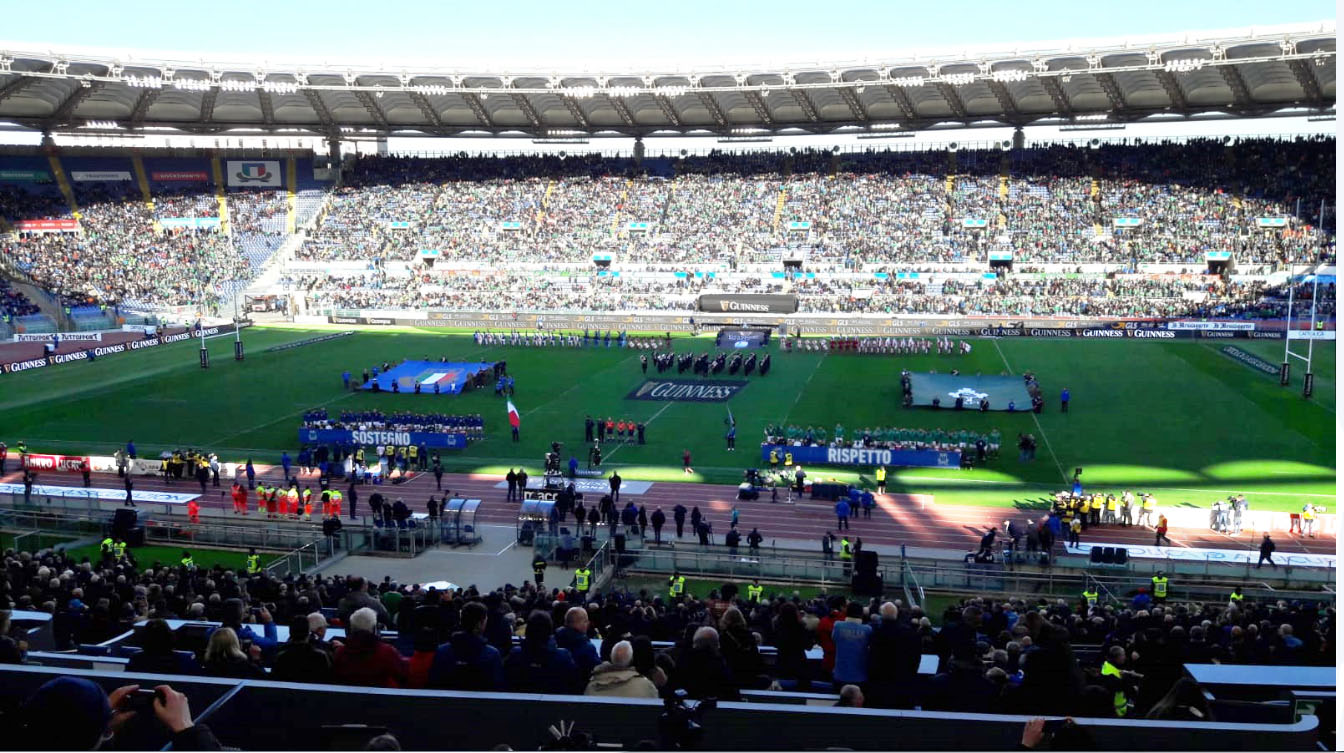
913 520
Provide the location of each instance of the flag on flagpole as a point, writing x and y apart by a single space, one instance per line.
513 415
730 420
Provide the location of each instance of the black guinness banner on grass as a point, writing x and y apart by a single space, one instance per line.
13 367
749 303
687 390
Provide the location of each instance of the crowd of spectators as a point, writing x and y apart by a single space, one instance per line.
874 207
995 655
14 303
118 257
1029 294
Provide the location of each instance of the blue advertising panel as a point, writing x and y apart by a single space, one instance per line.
455 441
817 455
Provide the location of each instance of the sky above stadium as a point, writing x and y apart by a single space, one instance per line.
623 34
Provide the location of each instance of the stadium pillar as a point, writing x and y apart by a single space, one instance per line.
1019 138
334 156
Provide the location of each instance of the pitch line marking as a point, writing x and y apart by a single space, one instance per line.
1035 420
279 418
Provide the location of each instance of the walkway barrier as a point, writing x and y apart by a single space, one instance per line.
263 715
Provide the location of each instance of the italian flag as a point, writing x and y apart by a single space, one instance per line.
513 415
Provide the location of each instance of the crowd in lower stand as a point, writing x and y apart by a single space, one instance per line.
14 303
1056 657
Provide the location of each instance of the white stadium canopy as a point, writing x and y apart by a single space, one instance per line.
1231 73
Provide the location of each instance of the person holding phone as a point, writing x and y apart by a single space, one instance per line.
73 713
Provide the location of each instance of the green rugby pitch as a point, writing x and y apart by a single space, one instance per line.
1178 419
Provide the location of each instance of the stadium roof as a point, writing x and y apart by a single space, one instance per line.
1241 73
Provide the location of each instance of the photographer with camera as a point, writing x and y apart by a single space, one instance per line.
73 713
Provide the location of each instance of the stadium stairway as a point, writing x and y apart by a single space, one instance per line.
142 180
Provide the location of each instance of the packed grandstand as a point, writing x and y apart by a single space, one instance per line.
711 224
1209 231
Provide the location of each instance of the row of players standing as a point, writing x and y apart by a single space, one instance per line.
704 365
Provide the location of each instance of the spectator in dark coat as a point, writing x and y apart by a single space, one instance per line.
467 661
962 687
538 665
299 660
703 672
792 640
893 661
365 659
574 638
740 651
156 654
358 598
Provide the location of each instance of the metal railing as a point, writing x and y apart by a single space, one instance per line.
304 558
269 536
917 576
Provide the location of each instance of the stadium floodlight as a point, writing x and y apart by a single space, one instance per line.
910 81
144 82
7 64
958 79
1006 76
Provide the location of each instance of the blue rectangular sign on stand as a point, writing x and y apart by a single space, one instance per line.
455 441
817 455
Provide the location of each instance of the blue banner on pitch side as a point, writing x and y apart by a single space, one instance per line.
816 455
370 438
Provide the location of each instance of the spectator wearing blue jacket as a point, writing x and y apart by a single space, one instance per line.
251 475
573 636
285 463
842 514
234 614
866 499
852 638
467 661
130 449
538 665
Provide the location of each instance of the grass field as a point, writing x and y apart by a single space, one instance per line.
1179 419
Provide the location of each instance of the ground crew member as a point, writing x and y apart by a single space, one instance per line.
538 569
846 552
187 561
1097 503
1309 520
106 547
582 580
774 459
788 459
1075 528
336 499
1236 598
413 453
253 562
676 585
1089 596
293 497
755 590
1160 587
308 503
194 511
881 479
1112 508
1161 531
118 549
